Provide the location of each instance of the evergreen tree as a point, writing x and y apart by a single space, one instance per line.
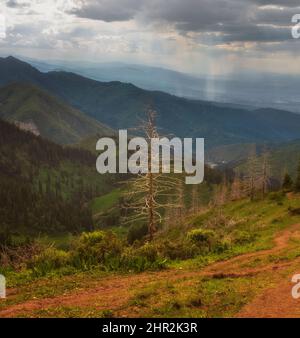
287 183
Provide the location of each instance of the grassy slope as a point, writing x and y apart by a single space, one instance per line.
106 202
180 291
55 120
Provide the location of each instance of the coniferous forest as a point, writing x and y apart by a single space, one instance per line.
45 188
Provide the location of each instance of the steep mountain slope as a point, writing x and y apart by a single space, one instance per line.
119 105
54 119
44 187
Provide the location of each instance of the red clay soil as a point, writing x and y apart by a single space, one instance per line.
276 302
114 292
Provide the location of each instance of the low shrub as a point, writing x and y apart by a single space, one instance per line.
136 232
17 256
222 246
140 259
180 249
94 249
243 237
203 238
277 196
48 260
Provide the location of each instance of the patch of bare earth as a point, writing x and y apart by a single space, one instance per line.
276 302
113 293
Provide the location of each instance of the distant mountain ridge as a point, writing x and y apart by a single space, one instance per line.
247 89
26 104
120 105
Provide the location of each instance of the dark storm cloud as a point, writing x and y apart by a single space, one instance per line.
168 10
275 16
108 10
249 33
221 20
256 34
282 3
17 4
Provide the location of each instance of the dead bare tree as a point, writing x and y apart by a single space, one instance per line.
150 194
181 200
265 175
252 174
236 191
221 194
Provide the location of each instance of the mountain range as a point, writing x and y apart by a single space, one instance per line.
54 120
251 89
121 105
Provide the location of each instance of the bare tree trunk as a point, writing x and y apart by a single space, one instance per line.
252 174
151 221
265 173
150 193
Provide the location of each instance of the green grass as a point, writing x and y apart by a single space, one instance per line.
106 202
51 286
62 242
193 296
261 219
69 312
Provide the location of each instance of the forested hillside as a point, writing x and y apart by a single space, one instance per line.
281 159
45 188
54 119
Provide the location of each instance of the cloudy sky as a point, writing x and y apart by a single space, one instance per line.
196 36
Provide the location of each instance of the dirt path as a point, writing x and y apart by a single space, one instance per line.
114 292
281 242
276 302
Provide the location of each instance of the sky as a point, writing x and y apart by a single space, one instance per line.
215 37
